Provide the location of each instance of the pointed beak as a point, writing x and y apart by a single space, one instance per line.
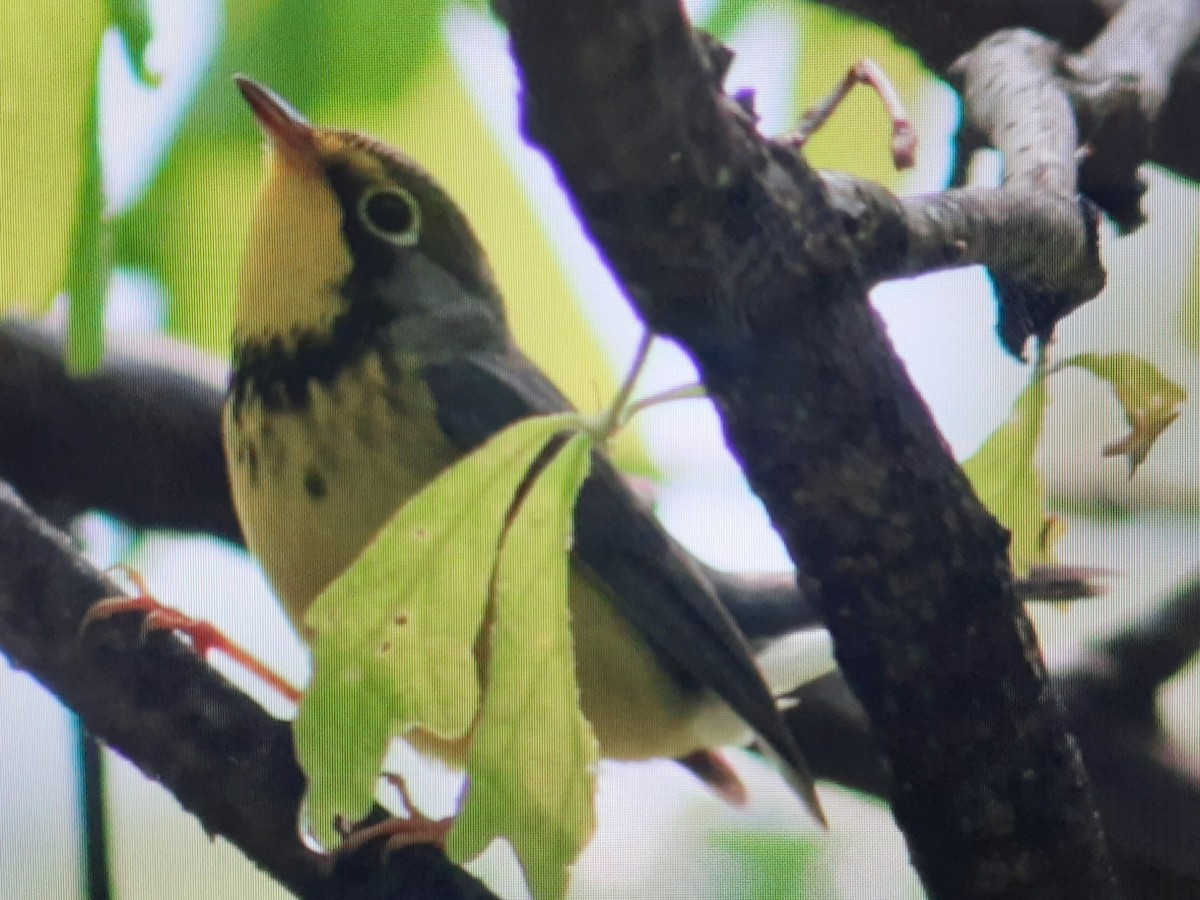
289 132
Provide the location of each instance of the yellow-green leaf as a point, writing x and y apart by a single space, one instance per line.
1007 482
1148 398
48 54
393 636
533 754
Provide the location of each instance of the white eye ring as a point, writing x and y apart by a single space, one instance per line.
391 213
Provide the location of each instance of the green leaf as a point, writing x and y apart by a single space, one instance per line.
133 22
1149 399
48 54
393 636
533 755
1007 482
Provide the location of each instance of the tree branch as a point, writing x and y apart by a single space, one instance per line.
147 416
1120 83
731 247
1145 51
178 721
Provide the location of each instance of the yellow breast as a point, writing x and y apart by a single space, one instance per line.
313 485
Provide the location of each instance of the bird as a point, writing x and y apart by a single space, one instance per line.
371 351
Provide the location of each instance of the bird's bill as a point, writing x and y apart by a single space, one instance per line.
289 132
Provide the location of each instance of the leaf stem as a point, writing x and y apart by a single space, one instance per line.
615 417
693 391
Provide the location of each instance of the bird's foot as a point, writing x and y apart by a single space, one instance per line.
414 828
203 636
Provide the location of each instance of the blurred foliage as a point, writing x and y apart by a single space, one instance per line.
89 261
45 111
775 864
726 16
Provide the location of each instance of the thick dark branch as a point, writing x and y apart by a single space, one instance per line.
731 247
138 415
225 760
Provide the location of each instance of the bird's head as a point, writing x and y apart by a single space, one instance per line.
353 241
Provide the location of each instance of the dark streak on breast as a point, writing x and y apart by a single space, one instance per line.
314 484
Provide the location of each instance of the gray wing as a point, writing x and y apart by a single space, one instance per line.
656 584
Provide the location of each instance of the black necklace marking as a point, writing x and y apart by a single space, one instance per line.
279 371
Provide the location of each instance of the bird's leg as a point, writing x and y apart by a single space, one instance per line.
865 71
204 636
414 828
714 770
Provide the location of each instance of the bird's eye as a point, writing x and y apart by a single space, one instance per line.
392 214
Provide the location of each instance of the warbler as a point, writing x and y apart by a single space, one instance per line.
370 351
